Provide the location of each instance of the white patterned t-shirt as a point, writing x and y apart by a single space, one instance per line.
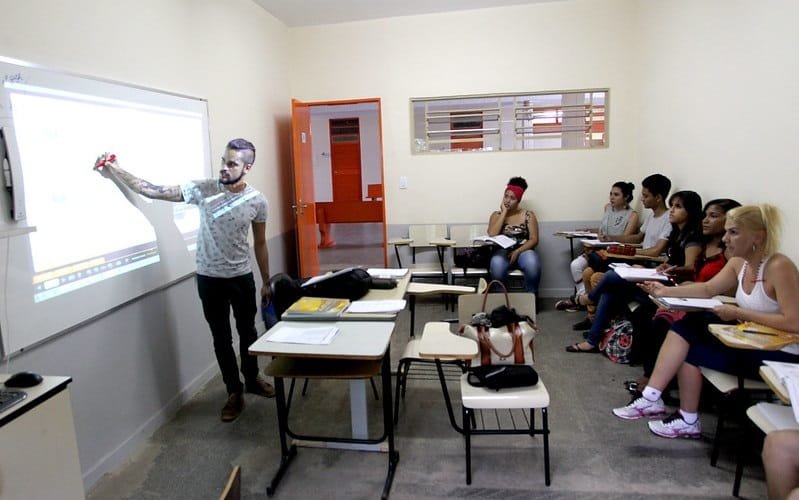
656 229
223 249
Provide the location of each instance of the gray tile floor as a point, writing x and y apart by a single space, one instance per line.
594 454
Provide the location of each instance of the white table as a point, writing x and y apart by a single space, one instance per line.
359 351
39 457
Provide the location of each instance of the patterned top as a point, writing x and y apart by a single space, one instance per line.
518 232
223 249
614 222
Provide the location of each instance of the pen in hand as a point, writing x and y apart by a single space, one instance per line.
748 330
667 271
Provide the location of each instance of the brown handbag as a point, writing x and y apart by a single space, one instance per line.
511 343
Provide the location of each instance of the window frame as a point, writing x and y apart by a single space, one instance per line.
530 121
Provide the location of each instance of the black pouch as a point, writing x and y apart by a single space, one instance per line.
502 376
472 257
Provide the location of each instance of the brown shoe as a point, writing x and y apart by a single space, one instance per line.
233 407
260 387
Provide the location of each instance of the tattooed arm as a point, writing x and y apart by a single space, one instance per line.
144 188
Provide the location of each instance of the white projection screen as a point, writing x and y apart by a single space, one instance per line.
97 245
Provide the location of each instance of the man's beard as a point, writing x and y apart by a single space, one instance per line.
231 181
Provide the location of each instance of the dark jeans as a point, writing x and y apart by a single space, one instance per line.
218 295
610 295
708 351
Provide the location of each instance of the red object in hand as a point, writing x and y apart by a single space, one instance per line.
101 162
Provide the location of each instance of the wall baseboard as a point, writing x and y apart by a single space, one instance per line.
139 437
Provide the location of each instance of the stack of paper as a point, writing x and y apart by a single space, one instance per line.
303 335
387 272
316 308
376 306
788 374
686 303
640 274
599 243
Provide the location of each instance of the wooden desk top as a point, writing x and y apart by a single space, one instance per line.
355 339
575 234
731 336
439 342
768 375
417 288
638 258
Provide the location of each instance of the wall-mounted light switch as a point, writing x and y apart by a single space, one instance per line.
403 182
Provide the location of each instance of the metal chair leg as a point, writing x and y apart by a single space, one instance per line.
467 416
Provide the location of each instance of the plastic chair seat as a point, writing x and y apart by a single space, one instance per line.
726 382
480 398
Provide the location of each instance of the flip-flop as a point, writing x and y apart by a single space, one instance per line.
575 348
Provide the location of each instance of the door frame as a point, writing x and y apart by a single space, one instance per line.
308 255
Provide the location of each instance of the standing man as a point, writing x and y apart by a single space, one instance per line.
228 207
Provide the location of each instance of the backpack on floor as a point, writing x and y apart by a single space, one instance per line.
617 343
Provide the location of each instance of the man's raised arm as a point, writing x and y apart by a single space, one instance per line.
107 166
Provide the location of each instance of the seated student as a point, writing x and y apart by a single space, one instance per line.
522 226
767 293
684 246
619 218
781 462
653 234
711 260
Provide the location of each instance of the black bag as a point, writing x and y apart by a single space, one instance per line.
502 376
351 283
285 291
473 257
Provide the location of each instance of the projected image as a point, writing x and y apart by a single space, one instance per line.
89 229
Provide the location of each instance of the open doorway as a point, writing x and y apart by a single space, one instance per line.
347 160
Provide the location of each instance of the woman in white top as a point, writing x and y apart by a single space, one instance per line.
767 293
619 218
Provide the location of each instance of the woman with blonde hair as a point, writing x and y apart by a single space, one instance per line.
767 293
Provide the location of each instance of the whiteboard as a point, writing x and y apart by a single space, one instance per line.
97 245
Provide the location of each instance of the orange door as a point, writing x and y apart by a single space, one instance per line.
345 159
304 201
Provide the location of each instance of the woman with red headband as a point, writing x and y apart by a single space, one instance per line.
521 225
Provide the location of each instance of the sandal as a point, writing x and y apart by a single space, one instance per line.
576 348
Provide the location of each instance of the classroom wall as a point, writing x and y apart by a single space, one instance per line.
134 367
718 100
548 46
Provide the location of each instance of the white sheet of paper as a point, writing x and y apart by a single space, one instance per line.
598 243
500 239
689 302
376 306
303 335
640 274
387 272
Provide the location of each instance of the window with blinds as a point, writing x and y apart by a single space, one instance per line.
507 122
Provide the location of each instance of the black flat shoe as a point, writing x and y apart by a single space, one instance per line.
582 325
576 348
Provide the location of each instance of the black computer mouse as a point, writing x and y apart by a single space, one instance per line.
24 379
